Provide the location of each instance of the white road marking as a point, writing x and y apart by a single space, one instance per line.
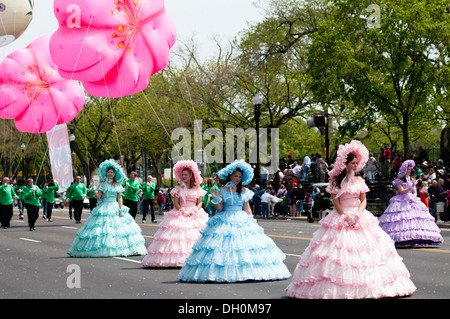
32 240
126 259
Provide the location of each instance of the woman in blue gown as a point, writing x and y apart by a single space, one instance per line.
233 247
109 231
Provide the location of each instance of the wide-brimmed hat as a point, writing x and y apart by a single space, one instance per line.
192 166
247 171
354 147
103 168
404 168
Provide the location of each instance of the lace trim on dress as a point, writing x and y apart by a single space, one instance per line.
108 187
356 186
183 192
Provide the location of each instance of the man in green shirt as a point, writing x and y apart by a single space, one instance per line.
20 203
77 192
6 200
207 204
32 194
131 186
49 196
92 198
148 198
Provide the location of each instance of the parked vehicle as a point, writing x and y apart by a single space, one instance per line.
59 202
86 203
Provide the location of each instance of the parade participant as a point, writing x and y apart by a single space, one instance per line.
91 196
181 226
131 193
20 202
7 194
209 206
350 256
148 198
110 231
407 219
77 193
48 193
32 194
233 247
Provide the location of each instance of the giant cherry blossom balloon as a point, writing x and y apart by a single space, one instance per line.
33 93
112 46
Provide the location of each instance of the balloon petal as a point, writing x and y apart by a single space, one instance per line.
33 93
116 48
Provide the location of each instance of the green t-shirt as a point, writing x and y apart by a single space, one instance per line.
133 188
208 191
49 193
76 191
148 190
20 194
91 192
6 194
31 198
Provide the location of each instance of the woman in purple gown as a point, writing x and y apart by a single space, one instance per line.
407 219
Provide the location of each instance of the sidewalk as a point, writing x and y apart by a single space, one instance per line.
303 218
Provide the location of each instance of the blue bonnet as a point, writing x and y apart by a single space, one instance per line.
103 168
247 171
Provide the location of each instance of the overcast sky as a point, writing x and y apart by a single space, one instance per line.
201 19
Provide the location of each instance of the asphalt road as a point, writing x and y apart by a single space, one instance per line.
34 265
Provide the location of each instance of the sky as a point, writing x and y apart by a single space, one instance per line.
201 20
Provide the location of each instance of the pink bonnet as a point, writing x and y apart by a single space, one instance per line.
355 147
189 164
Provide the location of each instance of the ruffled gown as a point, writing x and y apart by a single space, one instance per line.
350 262
178 232
408 221
233 247
105 234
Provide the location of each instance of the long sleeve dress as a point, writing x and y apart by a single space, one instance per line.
178 232
343 261
408 221
105 233
233 247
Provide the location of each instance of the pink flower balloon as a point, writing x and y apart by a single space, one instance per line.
112 46
33 93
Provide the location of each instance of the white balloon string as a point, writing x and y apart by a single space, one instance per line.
74 68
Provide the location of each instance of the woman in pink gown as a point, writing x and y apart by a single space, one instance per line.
181 226
350 256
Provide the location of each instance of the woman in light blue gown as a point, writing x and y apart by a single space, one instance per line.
233 247
109 231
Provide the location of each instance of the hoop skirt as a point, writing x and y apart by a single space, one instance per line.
350 262
408 221
105 234
178 232
233 247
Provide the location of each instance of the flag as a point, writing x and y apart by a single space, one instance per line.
60 156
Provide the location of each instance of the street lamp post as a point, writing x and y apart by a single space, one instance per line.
257 102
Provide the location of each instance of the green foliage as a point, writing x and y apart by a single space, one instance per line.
387 74
387 83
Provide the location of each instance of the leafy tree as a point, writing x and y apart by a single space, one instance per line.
386 73
95 134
